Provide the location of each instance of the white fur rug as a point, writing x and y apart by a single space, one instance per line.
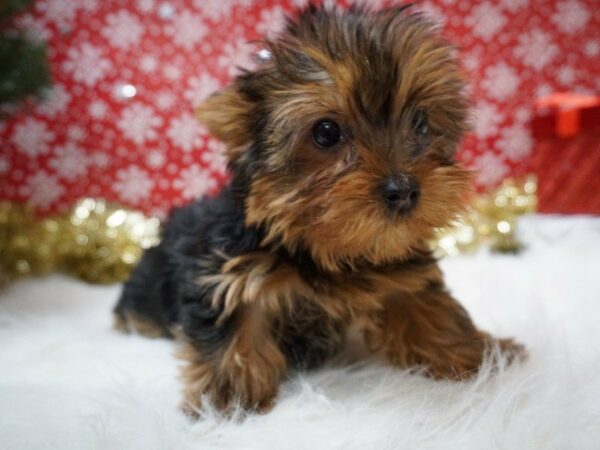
67 381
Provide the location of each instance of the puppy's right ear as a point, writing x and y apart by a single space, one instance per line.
226 114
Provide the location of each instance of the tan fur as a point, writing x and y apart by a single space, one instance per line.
132 323
246 372
255 278
318 216
430 329
372 267
403 314
258 278
225 114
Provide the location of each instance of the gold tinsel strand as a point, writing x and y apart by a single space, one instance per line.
492 221
96 241
101 242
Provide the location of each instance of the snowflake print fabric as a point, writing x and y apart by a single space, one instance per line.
119 122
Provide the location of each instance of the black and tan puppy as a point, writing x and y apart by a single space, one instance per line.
341 149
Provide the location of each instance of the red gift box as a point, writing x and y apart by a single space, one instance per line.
567 154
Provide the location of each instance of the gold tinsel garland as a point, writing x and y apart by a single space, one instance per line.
101 242
492 221
96 241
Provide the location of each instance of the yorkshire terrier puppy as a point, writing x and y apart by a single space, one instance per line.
341 148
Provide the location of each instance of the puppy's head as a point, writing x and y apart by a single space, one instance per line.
343 143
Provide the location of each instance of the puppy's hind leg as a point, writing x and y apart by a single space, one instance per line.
140 308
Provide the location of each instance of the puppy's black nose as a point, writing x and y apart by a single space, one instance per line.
400 193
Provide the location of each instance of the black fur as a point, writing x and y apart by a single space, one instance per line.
163 288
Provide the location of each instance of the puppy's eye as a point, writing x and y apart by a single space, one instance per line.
326 133
420 123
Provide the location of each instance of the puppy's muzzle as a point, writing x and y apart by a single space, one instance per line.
400 193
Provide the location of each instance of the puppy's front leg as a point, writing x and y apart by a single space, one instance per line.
431 329
245 371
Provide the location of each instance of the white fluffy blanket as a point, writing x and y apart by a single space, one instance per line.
67 381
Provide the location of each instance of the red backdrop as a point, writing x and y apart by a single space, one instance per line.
119 123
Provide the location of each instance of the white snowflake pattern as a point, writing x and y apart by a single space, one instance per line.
592 48
235 55
88 5
501 81
491 169
193 182
501 92
536 49
165 100
122 29
32 137
54 101
566 75
172 72
145 6
76 133
199 88
185 132
133 184
514 5
515 142
471 61
523 114
155 159
139 122
100 160
434 13
487 118
215 9
271 21
4 165
98 109
148 63
60 12
69 162
570 16
42 189
35 27
543 90
214 156
187 29
86 64
486 20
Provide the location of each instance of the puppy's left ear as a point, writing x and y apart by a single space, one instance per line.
226 114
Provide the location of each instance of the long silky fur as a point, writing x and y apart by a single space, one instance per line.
271 273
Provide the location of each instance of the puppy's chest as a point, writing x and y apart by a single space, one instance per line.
283 285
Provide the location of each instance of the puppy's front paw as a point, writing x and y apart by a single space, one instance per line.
510 350
465 360
242 377
226 396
